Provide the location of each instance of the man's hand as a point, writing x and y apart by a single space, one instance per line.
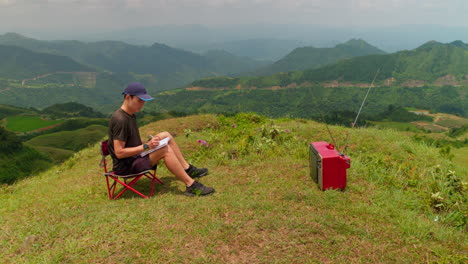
154 142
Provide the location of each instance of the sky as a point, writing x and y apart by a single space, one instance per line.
95 15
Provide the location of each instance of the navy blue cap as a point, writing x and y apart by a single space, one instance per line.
137 89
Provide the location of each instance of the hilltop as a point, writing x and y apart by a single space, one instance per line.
404 202
311 57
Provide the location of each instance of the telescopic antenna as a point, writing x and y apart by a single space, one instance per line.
360 108
328 129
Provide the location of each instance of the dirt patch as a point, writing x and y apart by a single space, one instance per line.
199 88
390 81
46 128
421 112
335 83
413 83
88 78
430 127
274 88
448 79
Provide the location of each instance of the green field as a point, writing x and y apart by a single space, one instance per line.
404 202
22 123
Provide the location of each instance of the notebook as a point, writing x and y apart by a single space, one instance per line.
162 143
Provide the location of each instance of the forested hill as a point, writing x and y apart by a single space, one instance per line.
20 63
170 67
311 57
425 64
6 110
430 64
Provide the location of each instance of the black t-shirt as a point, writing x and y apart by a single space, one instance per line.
123 126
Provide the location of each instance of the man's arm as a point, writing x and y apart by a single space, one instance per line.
122 152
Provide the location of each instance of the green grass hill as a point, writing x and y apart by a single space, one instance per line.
62 145
18 161
32 140
311 57
405 202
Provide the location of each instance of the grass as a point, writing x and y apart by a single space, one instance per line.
443 122
24 123
452 122
266 209
56 154
460 158
400 126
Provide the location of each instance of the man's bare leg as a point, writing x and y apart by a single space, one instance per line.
175 148
172 163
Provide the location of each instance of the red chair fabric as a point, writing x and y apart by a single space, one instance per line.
113 180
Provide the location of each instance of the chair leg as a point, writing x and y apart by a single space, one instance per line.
111 188
129 187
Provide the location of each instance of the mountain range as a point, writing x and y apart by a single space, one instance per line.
40 73
20 63
272 41
433 63
433 76
170 67
310 57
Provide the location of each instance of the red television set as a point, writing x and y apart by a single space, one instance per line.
328 166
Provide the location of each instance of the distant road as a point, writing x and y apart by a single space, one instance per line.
23 82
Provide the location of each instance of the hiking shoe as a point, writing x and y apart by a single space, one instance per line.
198 189
195 172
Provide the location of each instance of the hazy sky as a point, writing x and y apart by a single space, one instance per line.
118 14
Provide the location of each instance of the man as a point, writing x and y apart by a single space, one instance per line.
125 145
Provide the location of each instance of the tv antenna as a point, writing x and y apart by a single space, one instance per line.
360 109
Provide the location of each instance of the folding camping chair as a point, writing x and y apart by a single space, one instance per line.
113 179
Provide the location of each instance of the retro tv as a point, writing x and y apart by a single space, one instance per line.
328 166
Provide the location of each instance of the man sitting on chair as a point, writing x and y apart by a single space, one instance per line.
125 145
